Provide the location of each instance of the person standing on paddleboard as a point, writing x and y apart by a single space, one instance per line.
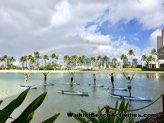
71 78
45 77
129 83
112 79
25 79
94 79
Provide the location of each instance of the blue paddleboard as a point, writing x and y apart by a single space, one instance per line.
27 86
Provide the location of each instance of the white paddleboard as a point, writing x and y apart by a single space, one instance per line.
73 92
116 88
95 85
130 97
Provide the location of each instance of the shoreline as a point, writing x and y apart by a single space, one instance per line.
67 71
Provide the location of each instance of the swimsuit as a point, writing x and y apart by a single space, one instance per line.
129 85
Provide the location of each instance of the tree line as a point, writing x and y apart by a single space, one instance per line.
32 61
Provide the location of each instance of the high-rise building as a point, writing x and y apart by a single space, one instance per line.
134 62
160 45
163 35
159 42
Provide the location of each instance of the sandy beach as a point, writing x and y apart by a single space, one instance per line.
66 71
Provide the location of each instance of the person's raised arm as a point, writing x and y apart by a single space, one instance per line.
132 76
125 76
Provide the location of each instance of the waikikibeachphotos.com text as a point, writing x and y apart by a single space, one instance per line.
70 114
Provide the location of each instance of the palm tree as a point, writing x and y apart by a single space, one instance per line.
131 53
45 57
67 60
81 60
11 60
5 58
123 57
113 63
93 59
29 57
2 60
33 60
26 59
154 53
99 60
147 59
105 61
54 56
22 59
37 57
74 60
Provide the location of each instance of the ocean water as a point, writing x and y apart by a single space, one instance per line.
143 84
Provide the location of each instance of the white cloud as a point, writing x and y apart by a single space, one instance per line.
62 15
153 38
148 13
27 26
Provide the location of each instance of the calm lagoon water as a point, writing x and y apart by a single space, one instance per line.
144 84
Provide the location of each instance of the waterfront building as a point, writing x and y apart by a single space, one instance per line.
160 50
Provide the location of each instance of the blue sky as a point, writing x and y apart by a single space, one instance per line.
68 27
132 32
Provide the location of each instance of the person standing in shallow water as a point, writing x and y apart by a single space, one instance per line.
112 79
129 83
94 79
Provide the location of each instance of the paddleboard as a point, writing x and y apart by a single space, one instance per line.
116 88
73 92
130 97
95 85
72 83
27 86
48 84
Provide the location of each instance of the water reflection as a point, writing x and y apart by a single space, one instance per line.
144 85
153 75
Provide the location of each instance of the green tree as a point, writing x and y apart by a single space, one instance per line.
37 57
54 57
105 61
67 61
99 61
26 60
29 58
81 60
74 60
147 59
131 53
45 57
5 59
123 57
22 60
11 60
113 62
93 60
153 52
